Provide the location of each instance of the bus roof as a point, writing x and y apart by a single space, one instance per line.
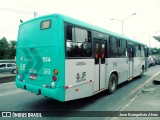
93 27
86 25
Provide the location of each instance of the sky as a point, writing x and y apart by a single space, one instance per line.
141 26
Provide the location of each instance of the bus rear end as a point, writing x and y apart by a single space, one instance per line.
40 57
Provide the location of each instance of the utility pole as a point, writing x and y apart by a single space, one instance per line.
122 21
35 14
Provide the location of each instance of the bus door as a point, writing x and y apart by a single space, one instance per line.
99 73
130 59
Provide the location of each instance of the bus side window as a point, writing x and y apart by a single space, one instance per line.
78 42
69 33
113 48
142 51
130 52
69 38
137 51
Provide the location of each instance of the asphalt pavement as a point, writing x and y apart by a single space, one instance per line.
145 105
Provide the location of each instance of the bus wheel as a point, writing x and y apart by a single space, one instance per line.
112 83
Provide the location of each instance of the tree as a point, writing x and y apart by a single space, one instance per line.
7 49
158 51
4 48
154 51
13 49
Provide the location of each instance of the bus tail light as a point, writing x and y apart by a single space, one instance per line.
54 78
33 76
55 71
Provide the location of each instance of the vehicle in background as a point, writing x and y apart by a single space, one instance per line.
157 61
151 61
8 67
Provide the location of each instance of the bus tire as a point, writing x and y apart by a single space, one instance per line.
112 86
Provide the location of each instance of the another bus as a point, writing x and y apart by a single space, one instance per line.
66 59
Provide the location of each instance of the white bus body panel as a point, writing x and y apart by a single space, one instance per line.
138 63
119 65
131 69
137 66
80 91
79 77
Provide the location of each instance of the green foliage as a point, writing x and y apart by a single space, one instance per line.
7 50
154 51
13 49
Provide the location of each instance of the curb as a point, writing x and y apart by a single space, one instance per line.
6 79
7 75
146 83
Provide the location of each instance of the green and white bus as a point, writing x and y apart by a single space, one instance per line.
66 59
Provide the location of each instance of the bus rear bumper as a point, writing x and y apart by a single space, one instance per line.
55 93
